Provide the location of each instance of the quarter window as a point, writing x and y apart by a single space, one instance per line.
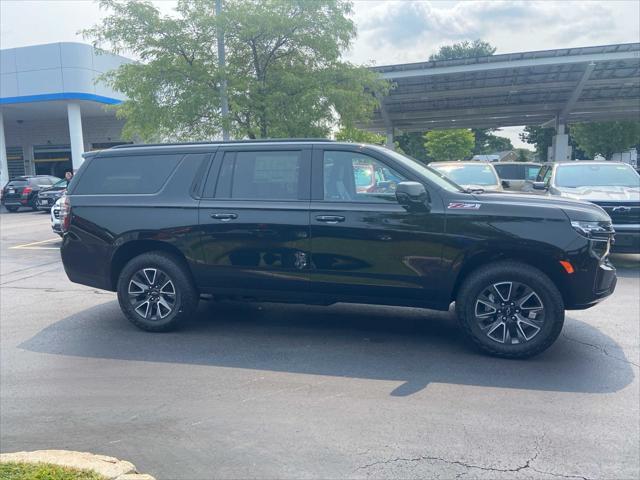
354 177
126 175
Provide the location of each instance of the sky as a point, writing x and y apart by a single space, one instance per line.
389 31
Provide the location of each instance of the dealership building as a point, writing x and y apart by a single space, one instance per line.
53 108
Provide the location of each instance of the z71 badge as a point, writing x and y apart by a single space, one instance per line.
463 206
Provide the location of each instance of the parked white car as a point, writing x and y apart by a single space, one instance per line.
55 216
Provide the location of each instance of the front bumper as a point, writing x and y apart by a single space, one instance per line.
627 239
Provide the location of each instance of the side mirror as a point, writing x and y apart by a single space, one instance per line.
506 184
540 185
412 196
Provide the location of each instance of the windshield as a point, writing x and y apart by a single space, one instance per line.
598 175
60 183
429 173
469 174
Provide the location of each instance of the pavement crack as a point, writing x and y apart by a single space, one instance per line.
528 464
602 350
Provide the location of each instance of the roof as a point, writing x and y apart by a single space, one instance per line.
526 88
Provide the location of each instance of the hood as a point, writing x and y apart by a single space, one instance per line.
574 209
602 194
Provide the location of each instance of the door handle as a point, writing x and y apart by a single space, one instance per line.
330 218
224 217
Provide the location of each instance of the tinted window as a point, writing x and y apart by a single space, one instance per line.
270 175
510 172
126 175
598 175
531 172
353 177
469 174
16 183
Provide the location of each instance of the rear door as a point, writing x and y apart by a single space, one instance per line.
254 219
364 244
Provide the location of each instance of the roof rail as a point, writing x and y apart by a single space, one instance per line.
221 142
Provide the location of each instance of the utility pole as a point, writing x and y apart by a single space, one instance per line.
224 101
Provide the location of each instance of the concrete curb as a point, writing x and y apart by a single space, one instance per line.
109 467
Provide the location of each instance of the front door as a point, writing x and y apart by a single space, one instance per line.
254 220
363 243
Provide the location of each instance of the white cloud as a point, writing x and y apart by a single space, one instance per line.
409 31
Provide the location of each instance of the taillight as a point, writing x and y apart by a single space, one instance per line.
26 191
65 214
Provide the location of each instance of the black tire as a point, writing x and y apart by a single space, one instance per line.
11 209
183 303
548 320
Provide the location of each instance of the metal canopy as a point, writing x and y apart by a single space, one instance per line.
529 88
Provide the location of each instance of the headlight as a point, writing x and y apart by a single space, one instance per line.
598 230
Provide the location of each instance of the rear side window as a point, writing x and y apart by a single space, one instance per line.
17 183
131 174
266 175
511 172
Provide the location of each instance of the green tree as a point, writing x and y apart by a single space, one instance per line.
466 49
540 138
487 142
284 69
357 135
606 138
455 144
524 155
412 143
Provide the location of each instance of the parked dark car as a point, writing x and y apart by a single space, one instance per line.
613 186
285 221
48 196
518 176
23 191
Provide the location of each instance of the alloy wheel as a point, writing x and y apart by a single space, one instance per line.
509 312
152 294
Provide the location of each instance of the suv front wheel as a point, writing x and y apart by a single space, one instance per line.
156 292
510 310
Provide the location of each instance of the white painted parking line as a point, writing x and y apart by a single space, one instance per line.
30 246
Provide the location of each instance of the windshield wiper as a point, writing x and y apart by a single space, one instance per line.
473 190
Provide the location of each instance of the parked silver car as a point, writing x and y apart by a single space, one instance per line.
472 175
614 186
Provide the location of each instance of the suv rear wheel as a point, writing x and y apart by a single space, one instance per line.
510 310
156 292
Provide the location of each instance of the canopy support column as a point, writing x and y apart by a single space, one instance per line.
75 133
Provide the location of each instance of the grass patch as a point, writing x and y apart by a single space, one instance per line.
44 471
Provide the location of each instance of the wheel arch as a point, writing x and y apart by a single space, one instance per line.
541 261
133 248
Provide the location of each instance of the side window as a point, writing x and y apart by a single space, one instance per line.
266 175
531 172
354 177
126 175
541 173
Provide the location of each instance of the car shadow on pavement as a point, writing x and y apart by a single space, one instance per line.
415 346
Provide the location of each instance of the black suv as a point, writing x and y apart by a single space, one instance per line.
293 221
23 191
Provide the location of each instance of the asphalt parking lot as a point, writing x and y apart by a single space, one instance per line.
284 391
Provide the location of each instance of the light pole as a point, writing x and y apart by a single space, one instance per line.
224 101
